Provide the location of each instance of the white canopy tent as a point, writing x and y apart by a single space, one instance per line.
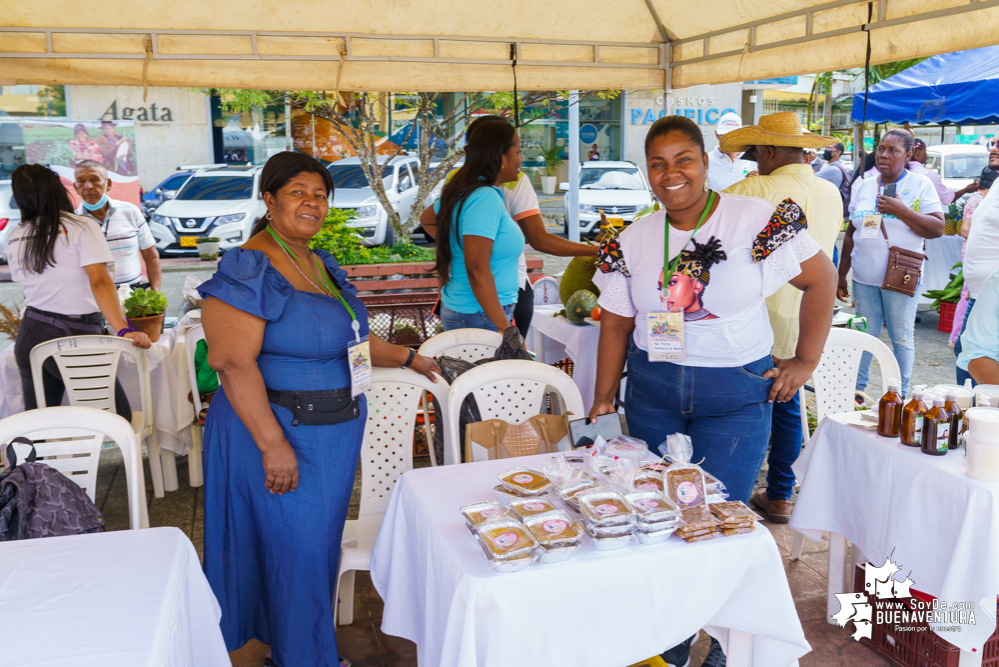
426 45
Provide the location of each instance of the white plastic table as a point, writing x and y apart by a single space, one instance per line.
886 498
554 338
597 609
128 598
942 254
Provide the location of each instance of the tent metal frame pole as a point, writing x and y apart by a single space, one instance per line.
572 219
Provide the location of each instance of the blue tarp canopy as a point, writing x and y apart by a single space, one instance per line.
960 88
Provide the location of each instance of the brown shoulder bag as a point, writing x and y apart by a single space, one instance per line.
904 268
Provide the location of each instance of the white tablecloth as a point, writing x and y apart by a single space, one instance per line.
941 254
600 608
554 338
128 598
169 383
882 496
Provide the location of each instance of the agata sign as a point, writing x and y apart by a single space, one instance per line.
138 113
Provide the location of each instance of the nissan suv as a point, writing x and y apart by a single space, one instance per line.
223 202
619 189
351 191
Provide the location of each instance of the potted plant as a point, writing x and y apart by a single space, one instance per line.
208 248
145 310
553 160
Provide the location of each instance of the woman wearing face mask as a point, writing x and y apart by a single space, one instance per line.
912 215
478 243
61 261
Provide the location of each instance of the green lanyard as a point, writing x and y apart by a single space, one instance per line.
672 267
321 277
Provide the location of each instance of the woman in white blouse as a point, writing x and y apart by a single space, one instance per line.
709 320
912 215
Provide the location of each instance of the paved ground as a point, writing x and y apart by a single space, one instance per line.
365 644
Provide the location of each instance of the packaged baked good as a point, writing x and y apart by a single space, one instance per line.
740 530
506 539
607 543
684 485
710 535
554 529
648 480
525 481
479 513
612 531
697 518
685 532
604 506
651 506
733 512
524 508
506 495
627 447
568 491
655 536
508 564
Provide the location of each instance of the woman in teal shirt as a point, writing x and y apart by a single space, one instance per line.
478 243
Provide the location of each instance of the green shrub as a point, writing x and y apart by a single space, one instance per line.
347 245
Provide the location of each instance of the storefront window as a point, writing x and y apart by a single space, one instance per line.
45 101
253 136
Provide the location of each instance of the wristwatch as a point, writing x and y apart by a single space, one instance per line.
409 361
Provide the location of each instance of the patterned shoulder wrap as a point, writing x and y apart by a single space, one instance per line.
610 258
787 220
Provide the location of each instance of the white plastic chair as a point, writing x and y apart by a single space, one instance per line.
465 344
513 390
89 366
386 453
69 439
835 382
194 460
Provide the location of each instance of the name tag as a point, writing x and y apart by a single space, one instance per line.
870 227
664 331
359 358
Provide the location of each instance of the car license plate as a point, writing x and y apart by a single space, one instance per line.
188 241
616 222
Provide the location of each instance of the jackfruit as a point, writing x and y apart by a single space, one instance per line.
578 275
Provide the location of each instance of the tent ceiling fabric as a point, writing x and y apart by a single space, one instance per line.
423 45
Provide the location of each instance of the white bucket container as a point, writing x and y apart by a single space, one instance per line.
990 390
983 459
964 395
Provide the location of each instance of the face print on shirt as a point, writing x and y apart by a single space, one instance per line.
685 290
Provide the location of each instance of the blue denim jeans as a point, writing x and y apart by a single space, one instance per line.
785 446
455 320
962 374
884 308
725 412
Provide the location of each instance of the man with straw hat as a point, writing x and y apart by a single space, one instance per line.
777 144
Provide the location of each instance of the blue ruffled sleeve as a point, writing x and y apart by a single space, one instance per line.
246 280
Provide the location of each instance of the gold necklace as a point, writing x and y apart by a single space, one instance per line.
302 273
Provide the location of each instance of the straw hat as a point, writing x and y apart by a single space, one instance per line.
776 129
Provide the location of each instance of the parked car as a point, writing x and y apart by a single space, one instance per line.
223 202
352 191
166 190
619 189
10 216
957 164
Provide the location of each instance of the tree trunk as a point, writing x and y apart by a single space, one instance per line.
827 111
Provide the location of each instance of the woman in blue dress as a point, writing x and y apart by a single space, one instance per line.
283 435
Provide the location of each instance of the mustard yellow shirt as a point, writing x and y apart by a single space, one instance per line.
823 208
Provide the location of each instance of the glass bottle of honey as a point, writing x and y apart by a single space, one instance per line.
936 429
911 431
890 411
956 420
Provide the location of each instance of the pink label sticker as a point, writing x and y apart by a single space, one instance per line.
534 507
491 512
687 493
606 508
646 504
506 540
523 478
648 486
624 448
555 526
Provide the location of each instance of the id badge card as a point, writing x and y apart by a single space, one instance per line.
359 358
665 336
870 226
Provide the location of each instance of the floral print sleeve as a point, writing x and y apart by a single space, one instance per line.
613 279
783 245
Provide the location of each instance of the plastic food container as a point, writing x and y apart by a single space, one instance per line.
568 491
648 480
558 535
626 447
507 540
510 564
525 481
651 506
656 526
733 513
557 555
479 513
528 507
604 507
608 543
612 531
655 537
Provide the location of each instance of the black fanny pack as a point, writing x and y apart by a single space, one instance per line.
317 408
